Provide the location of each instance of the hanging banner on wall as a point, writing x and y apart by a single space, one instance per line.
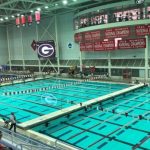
117 32
87 36
132 43
98 46
46 49
104 45
82 47
95 35
78 37
89 46
142 30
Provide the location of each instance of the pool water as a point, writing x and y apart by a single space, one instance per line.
32 105
109 129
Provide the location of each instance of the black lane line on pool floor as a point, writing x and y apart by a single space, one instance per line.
64 141
119 124
86 130
20 99
143 118
94 133
103 136
131 106
146 138
27 110
61 100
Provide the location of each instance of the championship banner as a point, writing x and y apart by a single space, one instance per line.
82 47
78 37
87 36
142 30
46 49
89 46
104 46
132 43
117 32
95 35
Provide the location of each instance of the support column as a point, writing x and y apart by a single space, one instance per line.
22 49
109 64
57 46
37 39
81 61
146 58
9 53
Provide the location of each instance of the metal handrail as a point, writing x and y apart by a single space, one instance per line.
26 141
23 146
17 139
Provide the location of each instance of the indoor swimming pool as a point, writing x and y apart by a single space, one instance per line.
120 123
60 93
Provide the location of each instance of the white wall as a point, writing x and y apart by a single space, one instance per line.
21 38
3 46
66 35
46 31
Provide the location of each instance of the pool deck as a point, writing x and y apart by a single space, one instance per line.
51 116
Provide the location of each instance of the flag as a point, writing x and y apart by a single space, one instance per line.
33 45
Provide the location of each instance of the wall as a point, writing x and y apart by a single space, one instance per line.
66 35
46 31
3 46
21 38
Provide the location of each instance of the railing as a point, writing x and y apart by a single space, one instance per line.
106 16
23 146
23 142
104 62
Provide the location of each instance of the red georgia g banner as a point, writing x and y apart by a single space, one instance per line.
142 30
132 43
117 32
104 45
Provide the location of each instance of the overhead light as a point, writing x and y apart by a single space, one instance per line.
65 2
6 18
56 4
18 14
46 7
74 0
39 9
31 11
1 19
13 16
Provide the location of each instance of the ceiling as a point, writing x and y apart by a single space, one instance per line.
9 9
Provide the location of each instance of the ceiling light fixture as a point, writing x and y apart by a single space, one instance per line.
65 2
46 7
39 9
6 18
